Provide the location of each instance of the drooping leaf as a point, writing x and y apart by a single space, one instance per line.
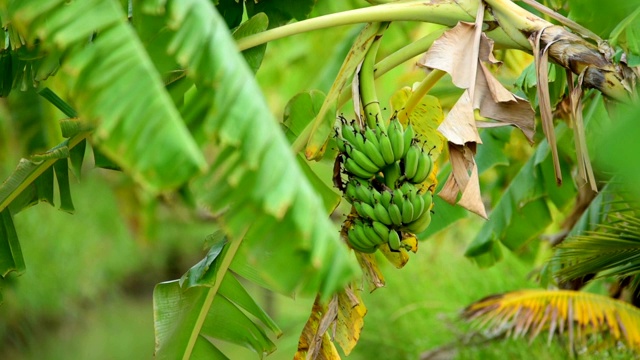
61 168
315 341
254 175
582 318
10 252
114 57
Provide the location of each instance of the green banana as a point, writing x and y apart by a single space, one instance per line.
362 191
396 137
411 161
373 237
392 174
386 149
341 145
361 235
428 200
370 135
394 240
357 244
362 159
407 211
381 229
348 133
382 215
409 134
385 198
418 208
424 168
395 214
359 141
350 191
353 168
372 150
367 211
421 223
397 197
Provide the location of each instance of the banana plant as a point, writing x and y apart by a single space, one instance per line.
163 91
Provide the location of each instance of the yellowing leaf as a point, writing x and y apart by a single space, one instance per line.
398 258
314 342
425 119
350 319
411 241
372 274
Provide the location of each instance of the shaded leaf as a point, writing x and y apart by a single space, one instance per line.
258 23
61 168
10 252
231 11
281 11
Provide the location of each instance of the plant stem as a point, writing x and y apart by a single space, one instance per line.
427 84
440 13
227 258
368 96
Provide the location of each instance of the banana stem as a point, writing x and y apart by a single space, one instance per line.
368 96
391 61
423 88
439 13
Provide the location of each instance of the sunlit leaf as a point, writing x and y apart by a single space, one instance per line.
259 22
350 319
582 318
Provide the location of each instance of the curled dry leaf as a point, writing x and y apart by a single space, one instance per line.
371 271
314 342
350 319
464 179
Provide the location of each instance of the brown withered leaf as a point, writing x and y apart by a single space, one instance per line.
459 127
541 58
452 53
497 103
585 171
350 319
464 179
314 342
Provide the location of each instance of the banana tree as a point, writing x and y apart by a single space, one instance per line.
166 93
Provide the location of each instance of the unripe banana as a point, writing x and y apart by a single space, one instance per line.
382 215
391 174
420 224
362 159
394 240
385 198
374 239
396 137
362 191
418 208
372 150
370 135
350 191
386 149
407 211
357 244
340 142
359 142
359 229
397 197
348 133
428 200
395 214
353 168
408 138
424 168
411 161
381 229
367 211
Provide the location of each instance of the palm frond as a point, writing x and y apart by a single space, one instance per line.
613 249
585 319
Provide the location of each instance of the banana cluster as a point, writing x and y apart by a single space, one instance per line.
383 170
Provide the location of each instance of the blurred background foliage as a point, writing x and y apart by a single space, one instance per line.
88 288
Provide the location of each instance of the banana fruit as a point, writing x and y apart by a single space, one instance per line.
384 167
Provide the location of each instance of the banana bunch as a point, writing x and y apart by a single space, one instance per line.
383 168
